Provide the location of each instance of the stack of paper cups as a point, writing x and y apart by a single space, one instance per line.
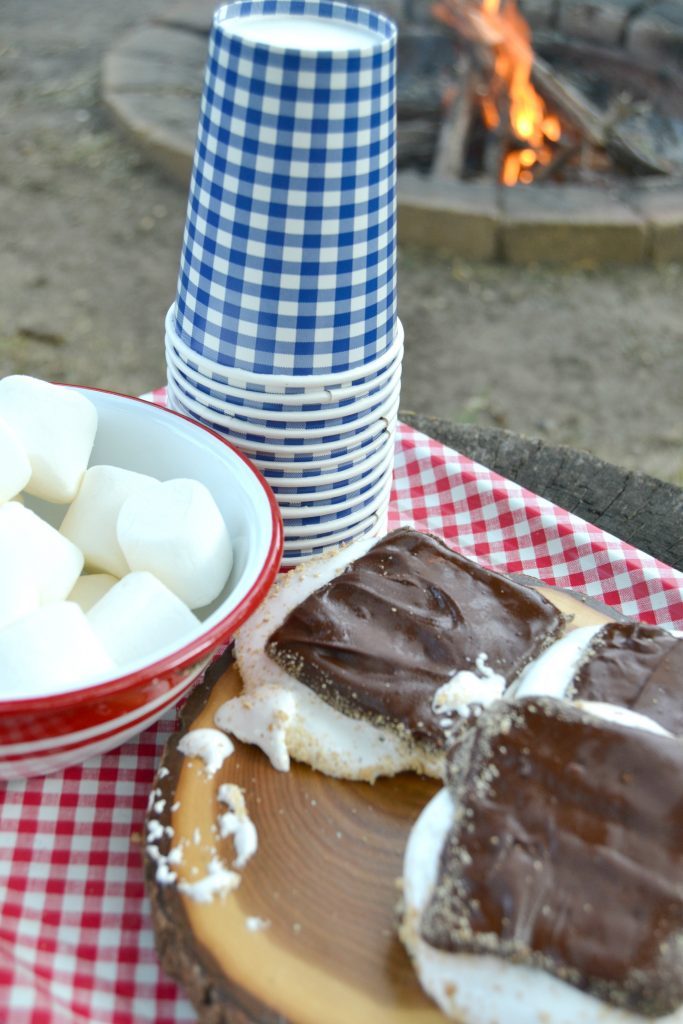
284 335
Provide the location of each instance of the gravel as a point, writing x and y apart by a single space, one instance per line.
90 239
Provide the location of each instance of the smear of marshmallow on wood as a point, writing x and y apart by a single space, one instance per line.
211 745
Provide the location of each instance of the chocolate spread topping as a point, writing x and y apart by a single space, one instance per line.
567 852
639 667
379 639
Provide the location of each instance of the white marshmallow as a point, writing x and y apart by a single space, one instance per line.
57 427
31 549
15 468
50 650
88 590
176 531
139 617
18 594
90 521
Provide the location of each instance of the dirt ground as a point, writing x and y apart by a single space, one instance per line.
90 240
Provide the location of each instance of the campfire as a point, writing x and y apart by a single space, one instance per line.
513 116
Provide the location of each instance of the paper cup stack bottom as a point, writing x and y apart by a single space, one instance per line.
324 442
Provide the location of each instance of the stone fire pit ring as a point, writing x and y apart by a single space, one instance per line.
152 81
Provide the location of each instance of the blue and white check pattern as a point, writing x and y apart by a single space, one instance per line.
331 455
252 437
288 420
288 389
288 262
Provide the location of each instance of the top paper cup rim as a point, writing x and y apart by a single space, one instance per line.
334 10
306 382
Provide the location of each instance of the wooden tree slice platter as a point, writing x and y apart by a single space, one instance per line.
325 878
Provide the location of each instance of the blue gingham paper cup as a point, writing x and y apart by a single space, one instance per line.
288 262
325 479
288 389
342 535
312 473
374 526
291 428
302 459
342 518
299 514
336 501
287 446
305 467
295 443
231 401
316 543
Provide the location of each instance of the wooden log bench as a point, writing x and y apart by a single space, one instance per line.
638 508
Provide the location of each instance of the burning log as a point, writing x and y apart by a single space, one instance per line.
585 117
564 152
501 49
601 130
449 158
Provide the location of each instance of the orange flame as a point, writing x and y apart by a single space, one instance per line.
500 23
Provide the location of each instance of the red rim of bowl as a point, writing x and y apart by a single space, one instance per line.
200 645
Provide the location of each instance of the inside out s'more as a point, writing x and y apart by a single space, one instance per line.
360 663
545 882
629 671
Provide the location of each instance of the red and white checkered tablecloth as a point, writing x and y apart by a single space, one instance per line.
76 943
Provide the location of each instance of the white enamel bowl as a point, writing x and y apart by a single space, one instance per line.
45 733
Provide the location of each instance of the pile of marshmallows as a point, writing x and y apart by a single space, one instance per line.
153 550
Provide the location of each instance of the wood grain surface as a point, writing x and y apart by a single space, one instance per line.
325 878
